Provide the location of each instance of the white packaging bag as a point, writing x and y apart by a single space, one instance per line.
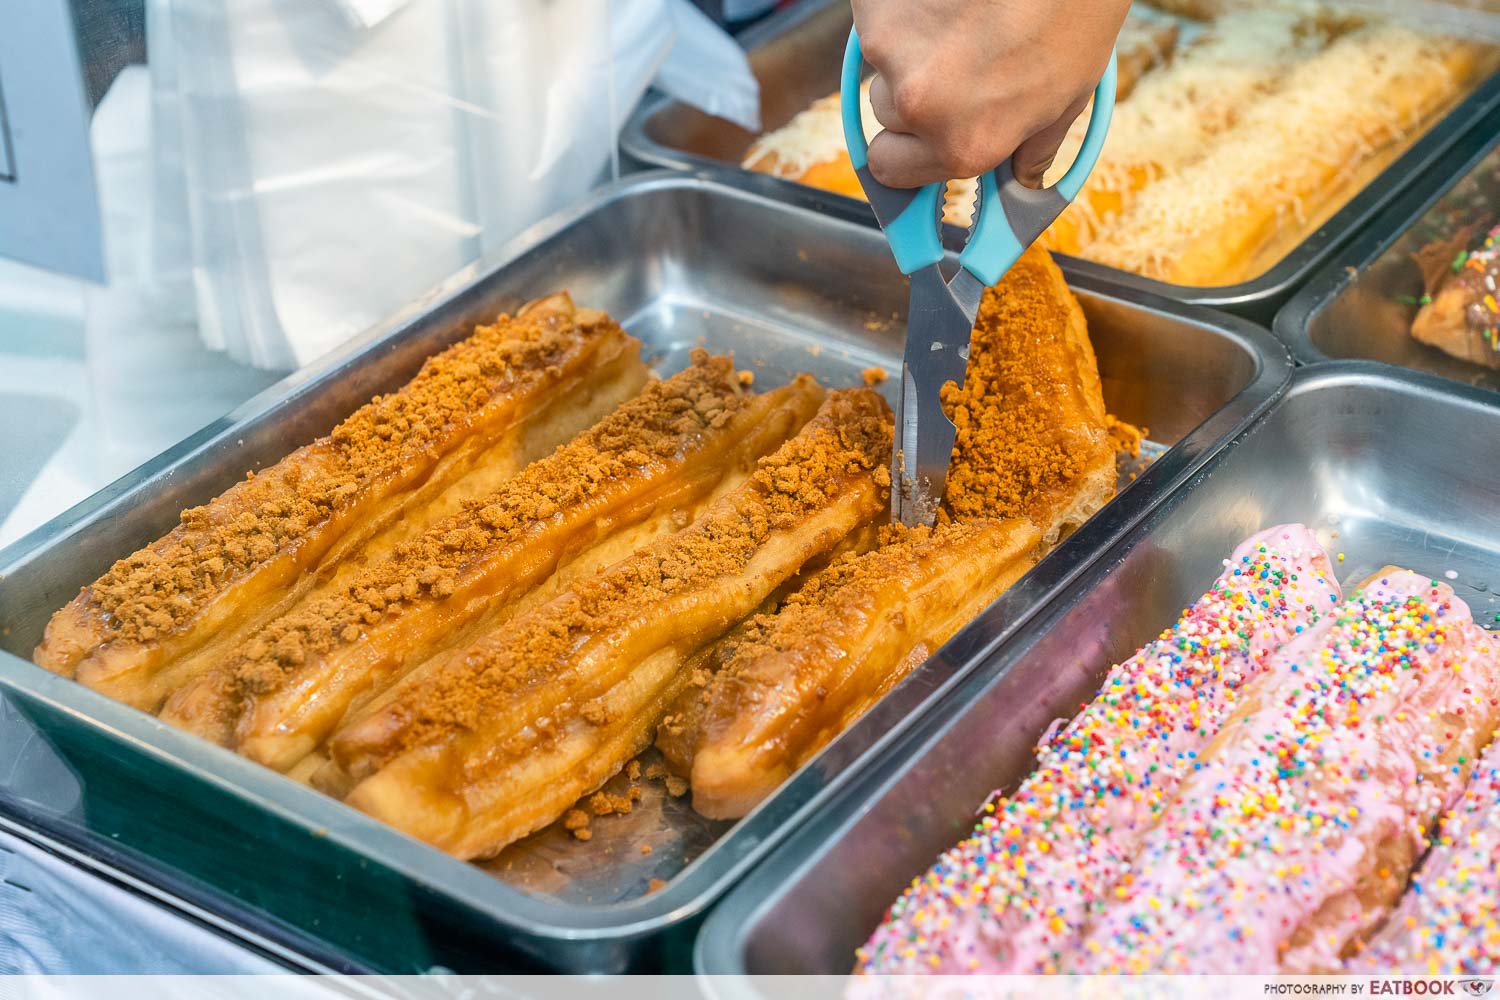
337 167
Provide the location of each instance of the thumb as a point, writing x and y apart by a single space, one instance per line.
1034 157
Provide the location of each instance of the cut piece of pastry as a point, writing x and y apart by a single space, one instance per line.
510 730
1033 439
1202 224
810 148
471 418
1178 109
1462 314
1296 831
1012 898
657 458
800 677
1448 922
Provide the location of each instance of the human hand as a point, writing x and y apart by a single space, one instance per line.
962 85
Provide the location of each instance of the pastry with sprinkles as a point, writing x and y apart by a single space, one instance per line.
1014 896
1299 826
1448 923
1460 313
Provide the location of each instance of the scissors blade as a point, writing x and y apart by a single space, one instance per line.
939 323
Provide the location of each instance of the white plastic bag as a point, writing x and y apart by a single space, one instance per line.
338 166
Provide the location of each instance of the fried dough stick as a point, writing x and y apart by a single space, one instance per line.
511 730
1012 898
838 645
1033 440
473 416
1202 224
651 463
1448 922
1295 834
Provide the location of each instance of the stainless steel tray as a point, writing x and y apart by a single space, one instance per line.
680 261
1362 304
796 55
1386 466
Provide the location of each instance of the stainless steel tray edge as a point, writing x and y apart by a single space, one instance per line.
720 949
600 937
1257 299
1294 321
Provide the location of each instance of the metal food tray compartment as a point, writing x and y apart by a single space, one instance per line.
679 261
797 54
1362 304
1385 466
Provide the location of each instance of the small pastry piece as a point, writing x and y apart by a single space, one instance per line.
509 731
656 458
473 416
1012 898
1295 833
836 647
1463 316
1448 922
1202 224
1033 440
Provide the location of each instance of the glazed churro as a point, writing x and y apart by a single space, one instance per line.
473 416
794 680
1296 831
510 730
650 464
1014 896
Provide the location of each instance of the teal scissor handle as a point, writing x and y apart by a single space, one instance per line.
1011 215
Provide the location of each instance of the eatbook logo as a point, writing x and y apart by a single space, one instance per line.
1477 987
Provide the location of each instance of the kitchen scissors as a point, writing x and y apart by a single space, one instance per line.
1008 219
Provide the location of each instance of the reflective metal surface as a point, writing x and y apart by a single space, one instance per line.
1386 467
1362 304
796 55
681 262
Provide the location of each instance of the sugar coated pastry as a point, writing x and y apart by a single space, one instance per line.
1013 897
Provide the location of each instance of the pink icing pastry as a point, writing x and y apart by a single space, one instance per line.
1301 821
1013 897
1448 923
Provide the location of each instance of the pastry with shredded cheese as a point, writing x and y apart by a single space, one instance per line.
785 686
810 148
650 465
509 731
1203 223
474 416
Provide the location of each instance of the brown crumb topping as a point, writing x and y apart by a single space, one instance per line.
1027 426
850 436
160 588
1125 438
874 375
664 422
576 822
